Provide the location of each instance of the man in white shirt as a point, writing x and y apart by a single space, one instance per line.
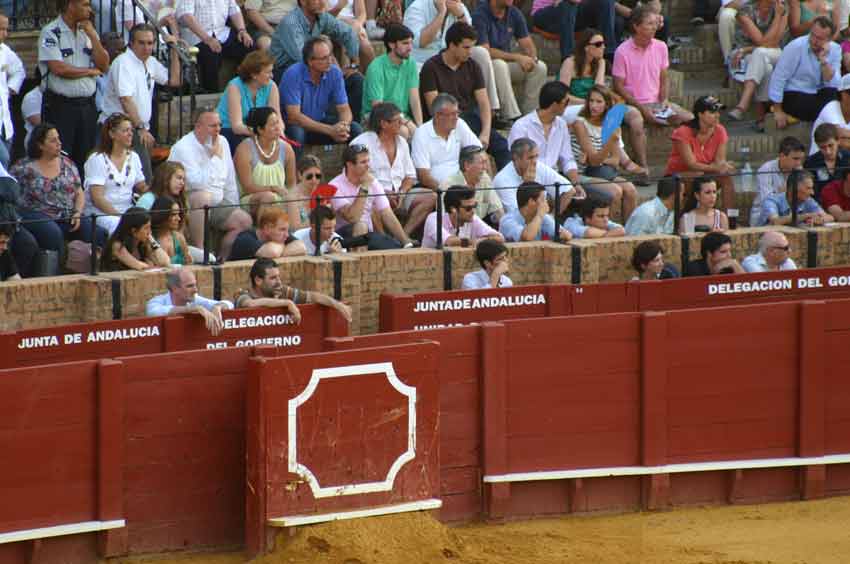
492 255
210 180
836 112
331 241
12 76
129 88
773 255
437 144
182 297
525 167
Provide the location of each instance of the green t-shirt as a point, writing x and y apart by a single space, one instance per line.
390 83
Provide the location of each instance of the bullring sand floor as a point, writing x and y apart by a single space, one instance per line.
815 532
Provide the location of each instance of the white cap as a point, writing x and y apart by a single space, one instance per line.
844 83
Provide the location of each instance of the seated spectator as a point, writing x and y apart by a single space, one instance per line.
204 25
602 163
593 222
51 197
331 241
716 251
836 112
829 162
498 23
308 20
12 75
299 201
461 226
567 17
648 261
360 15
525 167
759 36
429 20
268 290
835 198
8 268
806 76
393 77
359 199
182 297
775 209
210 180
132 246
474 172
263 18
451 71
492 255
127 15
726 27
531 220
314 98
265 165
699 212
437 144
801 15
623 10
655 217
113 173
270 239
773 175
773 255
251 88
167 229
392 167
640 72
585 69
699 148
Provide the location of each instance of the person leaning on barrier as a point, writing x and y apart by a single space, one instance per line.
8 268
268 290
835 198
773 174
655 217
829 162
461 226
331 241
774 254
182 297
132 246
776 210
716 251
593 221
474 172
648 261
270 239
492 255
532 221
525 166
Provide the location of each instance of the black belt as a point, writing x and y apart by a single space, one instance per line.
80 101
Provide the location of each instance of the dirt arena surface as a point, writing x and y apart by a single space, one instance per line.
815 532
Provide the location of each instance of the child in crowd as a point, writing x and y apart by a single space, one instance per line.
492 255
829 162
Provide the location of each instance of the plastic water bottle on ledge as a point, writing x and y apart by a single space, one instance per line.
746 182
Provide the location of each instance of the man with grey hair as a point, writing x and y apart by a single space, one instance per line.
437 144
525 167
182 297
474 172
774 254
210 180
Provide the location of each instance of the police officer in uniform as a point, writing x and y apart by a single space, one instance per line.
71 57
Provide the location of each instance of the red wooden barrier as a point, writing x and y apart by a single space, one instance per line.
149 335
429 310
341 435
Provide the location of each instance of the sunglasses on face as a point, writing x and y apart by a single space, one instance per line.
468 208
313 176
597 44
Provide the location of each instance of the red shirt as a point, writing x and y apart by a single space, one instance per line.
704 154
833 195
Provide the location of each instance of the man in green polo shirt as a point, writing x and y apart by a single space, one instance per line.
393 77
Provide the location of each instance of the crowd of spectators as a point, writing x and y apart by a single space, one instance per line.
417 123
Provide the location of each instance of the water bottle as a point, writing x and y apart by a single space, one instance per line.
746 181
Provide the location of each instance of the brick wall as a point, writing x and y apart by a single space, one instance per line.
44 302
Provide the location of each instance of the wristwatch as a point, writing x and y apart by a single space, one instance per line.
354 66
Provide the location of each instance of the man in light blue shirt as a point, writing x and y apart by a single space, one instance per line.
182 297
593 221
531 222
775 209
806 77
655 217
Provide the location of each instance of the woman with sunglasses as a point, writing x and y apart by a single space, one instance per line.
113 173
699 213
699 148
298 201
167 229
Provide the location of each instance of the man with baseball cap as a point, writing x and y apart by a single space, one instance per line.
836 112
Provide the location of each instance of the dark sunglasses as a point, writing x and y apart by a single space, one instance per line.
313 176
468 208
597 44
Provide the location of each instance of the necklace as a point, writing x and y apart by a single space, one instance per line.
263 153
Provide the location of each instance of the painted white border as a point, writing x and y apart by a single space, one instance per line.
667 468
296 520
339 372
59 530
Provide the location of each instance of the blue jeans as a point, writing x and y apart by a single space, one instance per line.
567 18
498 144
51 233
24 249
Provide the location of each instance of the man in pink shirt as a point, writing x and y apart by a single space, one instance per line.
640 72
461 227
358 195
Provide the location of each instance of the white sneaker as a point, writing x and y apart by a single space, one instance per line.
373 31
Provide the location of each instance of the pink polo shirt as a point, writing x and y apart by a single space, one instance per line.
475 229
346 192
641 69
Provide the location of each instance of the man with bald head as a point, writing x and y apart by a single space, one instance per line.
774 254
182 297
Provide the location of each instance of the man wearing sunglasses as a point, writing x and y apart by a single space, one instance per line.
773 255
461 227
